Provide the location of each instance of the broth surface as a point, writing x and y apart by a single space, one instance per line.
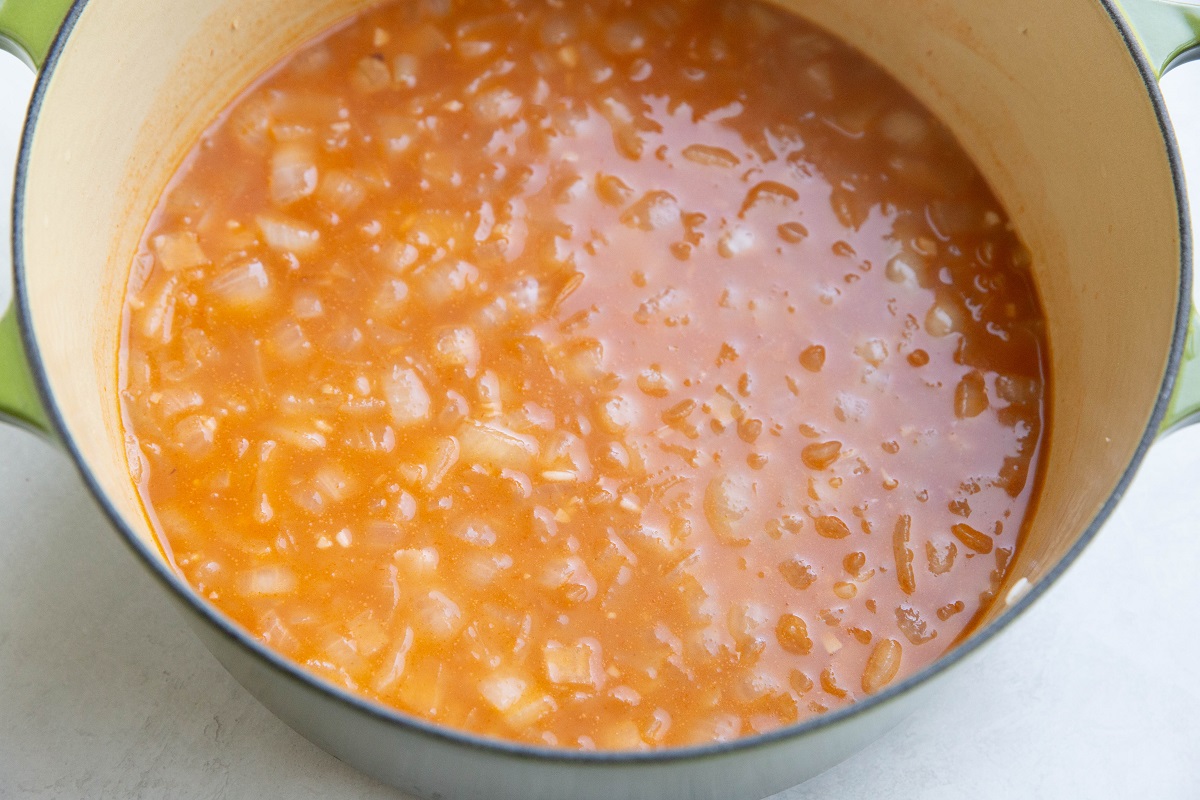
594 375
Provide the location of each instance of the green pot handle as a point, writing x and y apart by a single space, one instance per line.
1167 30
1184 407
27 28
19 400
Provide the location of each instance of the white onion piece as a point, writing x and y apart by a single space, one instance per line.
502 691
416 561
529 710
371 75
288 236
943 319
476 532
250 123
175 401
441 461
371 438
290 342
564 452
179 251
438 615
397 134
194 435
849 407
526 295
457 348
873 351
727 501
906 128
342 191
907 269
394 663
267 581
496 105
481 569
307 305
301 438
334 483
312 501
159 313
496 447
445 280
735 242
572 577
709 156
404 70
406 396
293 175
245 284
574 665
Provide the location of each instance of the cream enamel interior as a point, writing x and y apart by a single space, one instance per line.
1043 95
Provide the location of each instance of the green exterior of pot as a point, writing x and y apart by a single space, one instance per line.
1165 29
1185 399
27 29
1167 32
19 400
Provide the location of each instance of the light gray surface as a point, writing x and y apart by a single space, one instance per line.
104 694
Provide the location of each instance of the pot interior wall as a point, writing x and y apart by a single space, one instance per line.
1043 95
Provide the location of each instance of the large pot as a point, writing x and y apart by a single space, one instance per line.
1056 102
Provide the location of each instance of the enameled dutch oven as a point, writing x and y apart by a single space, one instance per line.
1056 102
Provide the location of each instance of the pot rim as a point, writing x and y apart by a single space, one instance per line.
288 670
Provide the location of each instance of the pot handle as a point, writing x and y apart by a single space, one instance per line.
27 29
20 403
1169 34
1166 29
1184 406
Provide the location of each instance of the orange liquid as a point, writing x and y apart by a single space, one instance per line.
624 376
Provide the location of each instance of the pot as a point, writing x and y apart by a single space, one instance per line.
1074 142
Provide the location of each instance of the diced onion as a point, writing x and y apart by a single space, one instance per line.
405 68
727 501
439 615
290 342
342 192
288 236
179 251
502 691
194 435
457 348
574 665
267 581
293 175
407 397
496 105
416 561
246 284
497 447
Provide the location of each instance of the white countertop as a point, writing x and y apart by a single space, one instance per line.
1094 693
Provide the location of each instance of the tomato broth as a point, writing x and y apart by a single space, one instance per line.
594 375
